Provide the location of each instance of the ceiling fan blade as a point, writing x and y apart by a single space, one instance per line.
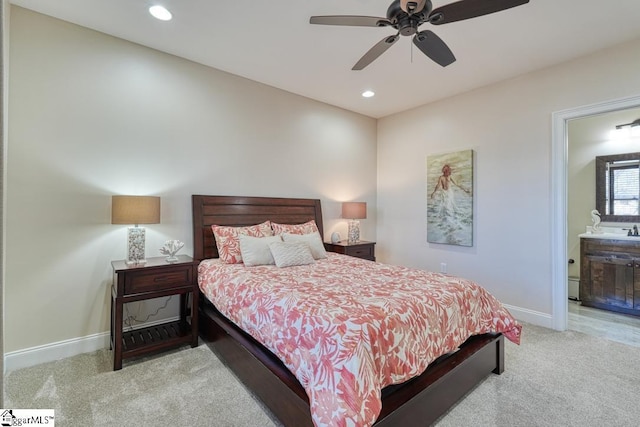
377 50
465 9
433 46
356 21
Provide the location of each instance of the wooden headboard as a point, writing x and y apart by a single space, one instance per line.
240 211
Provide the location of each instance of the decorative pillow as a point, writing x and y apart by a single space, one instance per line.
255 250
306 228
228 243
313 239
288 254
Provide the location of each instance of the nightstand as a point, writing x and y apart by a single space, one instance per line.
154 279
361 249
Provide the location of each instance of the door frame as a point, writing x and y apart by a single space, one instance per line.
559 195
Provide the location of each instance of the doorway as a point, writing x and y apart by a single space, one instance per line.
559 193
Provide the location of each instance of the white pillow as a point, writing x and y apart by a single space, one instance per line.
255 250
313 239
288 254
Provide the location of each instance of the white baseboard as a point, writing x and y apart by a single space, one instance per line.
55 351
530 316
62 349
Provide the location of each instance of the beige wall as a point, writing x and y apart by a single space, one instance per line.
590 137
92 116
509 127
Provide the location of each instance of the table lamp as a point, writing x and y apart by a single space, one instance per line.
135 210
353 211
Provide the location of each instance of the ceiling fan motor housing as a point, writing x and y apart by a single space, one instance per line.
407 23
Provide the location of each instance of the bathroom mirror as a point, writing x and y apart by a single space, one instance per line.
618 187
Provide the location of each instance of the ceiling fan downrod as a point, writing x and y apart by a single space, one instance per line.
412 6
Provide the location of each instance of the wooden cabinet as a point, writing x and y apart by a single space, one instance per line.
361 249
154 279
610 274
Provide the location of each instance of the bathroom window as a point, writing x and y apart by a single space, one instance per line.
623 189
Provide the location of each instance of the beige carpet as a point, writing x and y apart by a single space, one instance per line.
186 387
552 379
557 379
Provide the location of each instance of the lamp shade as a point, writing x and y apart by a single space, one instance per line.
354 210
135 210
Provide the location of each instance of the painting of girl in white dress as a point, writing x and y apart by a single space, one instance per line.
450 198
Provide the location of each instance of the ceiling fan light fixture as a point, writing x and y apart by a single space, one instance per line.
368 94
160 12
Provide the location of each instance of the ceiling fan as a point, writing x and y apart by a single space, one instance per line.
407 15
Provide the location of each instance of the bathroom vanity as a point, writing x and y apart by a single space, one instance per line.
610 272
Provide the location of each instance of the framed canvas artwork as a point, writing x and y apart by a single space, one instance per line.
450 198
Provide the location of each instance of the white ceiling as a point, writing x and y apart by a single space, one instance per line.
271 41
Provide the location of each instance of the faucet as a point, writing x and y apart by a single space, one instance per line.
635 230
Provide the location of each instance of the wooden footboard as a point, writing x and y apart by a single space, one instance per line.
420 401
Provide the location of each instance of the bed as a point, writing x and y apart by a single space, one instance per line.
418 401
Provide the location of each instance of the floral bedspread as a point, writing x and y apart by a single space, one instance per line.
347 327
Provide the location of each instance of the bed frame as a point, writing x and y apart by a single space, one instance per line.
419 401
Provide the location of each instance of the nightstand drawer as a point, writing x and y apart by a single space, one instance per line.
361 249
364 251
157 280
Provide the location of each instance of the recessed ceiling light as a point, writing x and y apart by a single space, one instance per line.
159 12
368 93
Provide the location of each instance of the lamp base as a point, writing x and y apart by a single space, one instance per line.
354 232
135 245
